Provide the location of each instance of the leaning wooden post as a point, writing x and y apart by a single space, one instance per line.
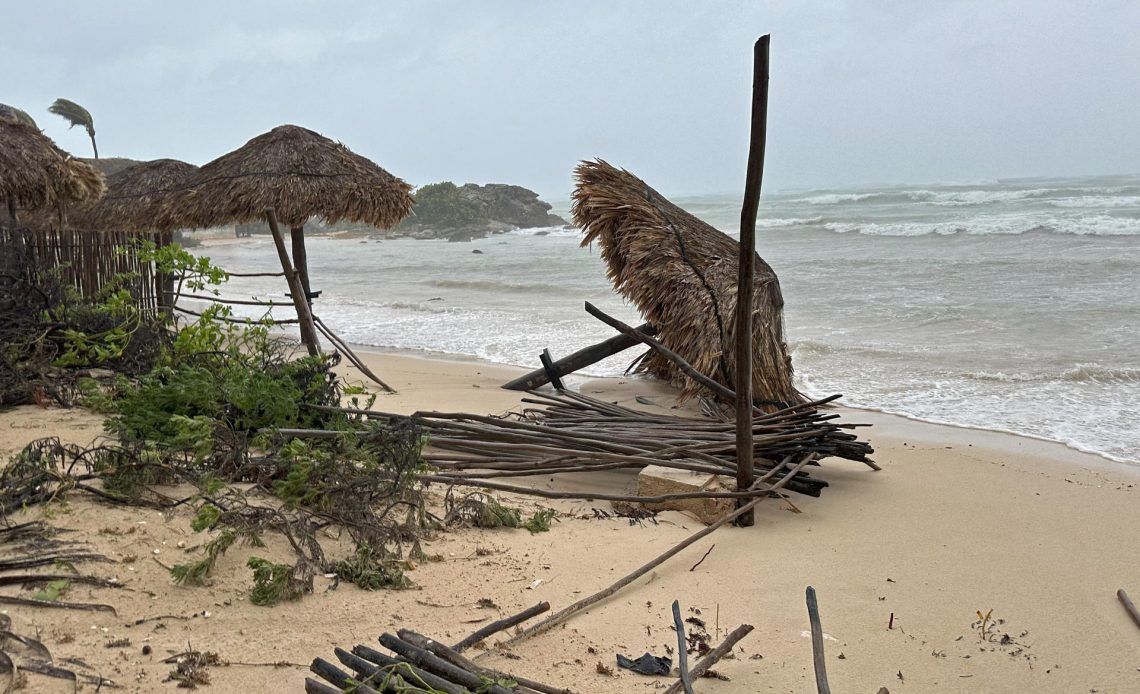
304 315
753 179
301 259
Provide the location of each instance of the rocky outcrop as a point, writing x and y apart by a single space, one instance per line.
512 205
452 213
462 213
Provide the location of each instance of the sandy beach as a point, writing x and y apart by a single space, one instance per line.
958 521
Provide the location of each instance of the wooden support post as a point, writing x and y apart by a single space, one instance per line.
744 288
301 260
580 359
304 315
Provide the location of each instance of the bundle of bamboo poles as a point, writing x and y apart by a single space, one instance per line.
568 432
420 664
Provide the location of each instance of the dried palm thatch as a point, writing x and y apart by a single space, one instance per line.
297 172
11 113
682 273
134 197
35 173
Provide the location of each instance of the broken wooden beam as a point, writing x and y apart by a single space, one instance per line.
580 359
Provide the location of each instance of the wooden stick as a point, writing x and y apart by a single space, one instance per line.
682 649
591 496
566 613
661 349
1128 606
579 360
712 657
817 655
347 351
744 286
304 315
504 623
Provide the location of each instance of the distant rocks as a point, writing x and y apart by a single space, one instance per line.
462 213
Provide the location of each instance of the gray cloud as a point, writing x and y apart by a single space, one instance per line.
861 92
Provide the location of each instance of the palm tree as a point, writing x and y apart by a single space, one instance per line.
78 116
11 113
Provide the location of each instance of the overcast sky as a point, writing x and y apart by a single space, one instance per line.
888 91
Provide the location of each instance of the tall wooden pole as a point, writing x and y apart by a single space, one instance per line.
304 315
753 179
301 259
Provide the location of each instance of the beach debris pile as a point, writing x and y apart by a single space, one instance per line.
419 663
573 433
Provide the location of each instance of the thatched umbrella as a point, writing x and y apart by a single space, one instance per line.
299 175
134 197
682 273
34 173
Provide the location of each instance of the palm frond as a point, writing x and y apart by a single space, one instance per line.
14 114
74 113
77 115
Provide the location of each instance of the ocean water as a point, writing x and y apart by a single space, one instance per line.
1009 305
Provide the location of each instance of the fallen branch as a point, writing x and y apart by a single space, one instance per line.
30 602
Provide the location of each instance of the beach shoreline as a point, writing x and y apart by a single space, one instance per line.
958 521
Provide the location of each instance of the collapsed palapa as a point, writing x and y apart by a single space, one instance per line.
682 274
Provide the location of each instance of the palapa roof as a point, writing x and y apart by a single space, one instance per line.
300 174
35 173
682 274
134 197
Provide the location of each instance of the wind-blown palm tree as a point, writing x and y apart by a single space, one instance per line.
78 116
12 113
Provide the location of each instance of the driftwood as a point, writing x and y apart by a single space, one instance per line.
580 359
817 655
1128 606
497 626
682 649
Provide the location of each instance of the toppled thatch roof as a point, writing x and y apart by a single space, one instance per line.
34 173
297 172
134 197
682 274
